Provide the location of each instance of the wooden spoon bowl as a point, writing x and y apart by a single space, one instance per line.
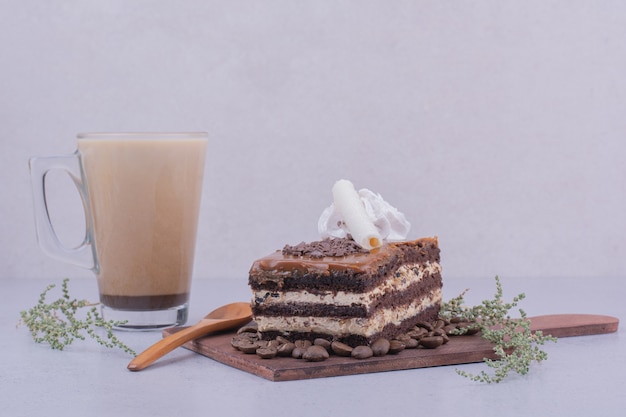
223 318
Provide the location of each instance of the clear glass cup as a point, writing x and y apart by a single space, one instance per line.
141 194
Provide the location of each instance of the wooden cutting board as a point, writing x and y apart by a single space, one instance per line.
460 349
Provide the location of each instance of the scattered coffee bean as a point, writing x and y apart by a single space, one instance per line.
417 333
282 340
425 325
403 338
322 342
266 353
262 343
297 352
380 347
362 352
248 328
237 340
341 349
467 328
248 348
396 346
450 329
273 344
244 337
411 343
285 349
303 344
315 353
431 342
472 329
428 335
438 332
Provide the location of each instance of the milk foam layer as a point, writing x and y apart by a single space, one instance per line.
391 223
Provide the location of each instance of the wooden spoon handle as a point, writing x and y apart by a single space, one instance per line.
565 325
171 342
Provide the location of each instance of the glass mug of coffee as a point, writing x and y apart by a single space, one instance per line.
141 194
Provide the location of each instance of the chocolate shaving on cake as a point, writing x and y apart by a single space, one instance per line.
326 247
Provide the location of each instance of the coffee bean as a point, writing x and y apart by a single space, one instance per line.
315 353
246 336
380 347
403 338
282 340
396 346
417 333
450 329
411 343
303 344
431 342
467 329
262 343
285 349
266 353
427 335
362 352
273 344
239 340
425 325
472 329
322 342
248 328
297 353
341 349
249 347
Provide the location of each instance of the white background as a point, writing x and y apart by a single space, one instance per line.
499 126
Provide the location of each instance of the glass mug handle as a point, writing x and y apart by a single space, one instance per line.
81 255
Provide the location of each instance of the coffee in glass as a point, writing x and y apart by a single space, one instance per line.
142 195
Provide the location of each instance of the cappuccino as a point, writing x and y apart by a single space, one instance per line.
144 197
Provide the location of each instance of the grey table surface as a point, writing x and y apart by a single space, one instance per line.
583 376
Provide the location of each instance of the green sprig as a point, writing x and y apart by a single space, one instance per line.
514 343
57 324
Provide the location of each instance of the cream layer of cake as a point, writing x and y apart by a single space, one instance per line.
341 327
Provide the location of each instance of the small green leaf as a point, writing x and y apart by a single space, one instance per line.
507 334
56 323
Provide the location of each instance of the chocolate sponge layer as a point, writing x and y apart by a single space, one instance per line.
390 299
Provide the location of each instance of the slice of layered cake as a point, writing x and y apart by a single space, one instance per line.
337 290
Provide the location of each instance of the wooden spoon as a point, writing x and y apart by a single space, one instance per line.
226 317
